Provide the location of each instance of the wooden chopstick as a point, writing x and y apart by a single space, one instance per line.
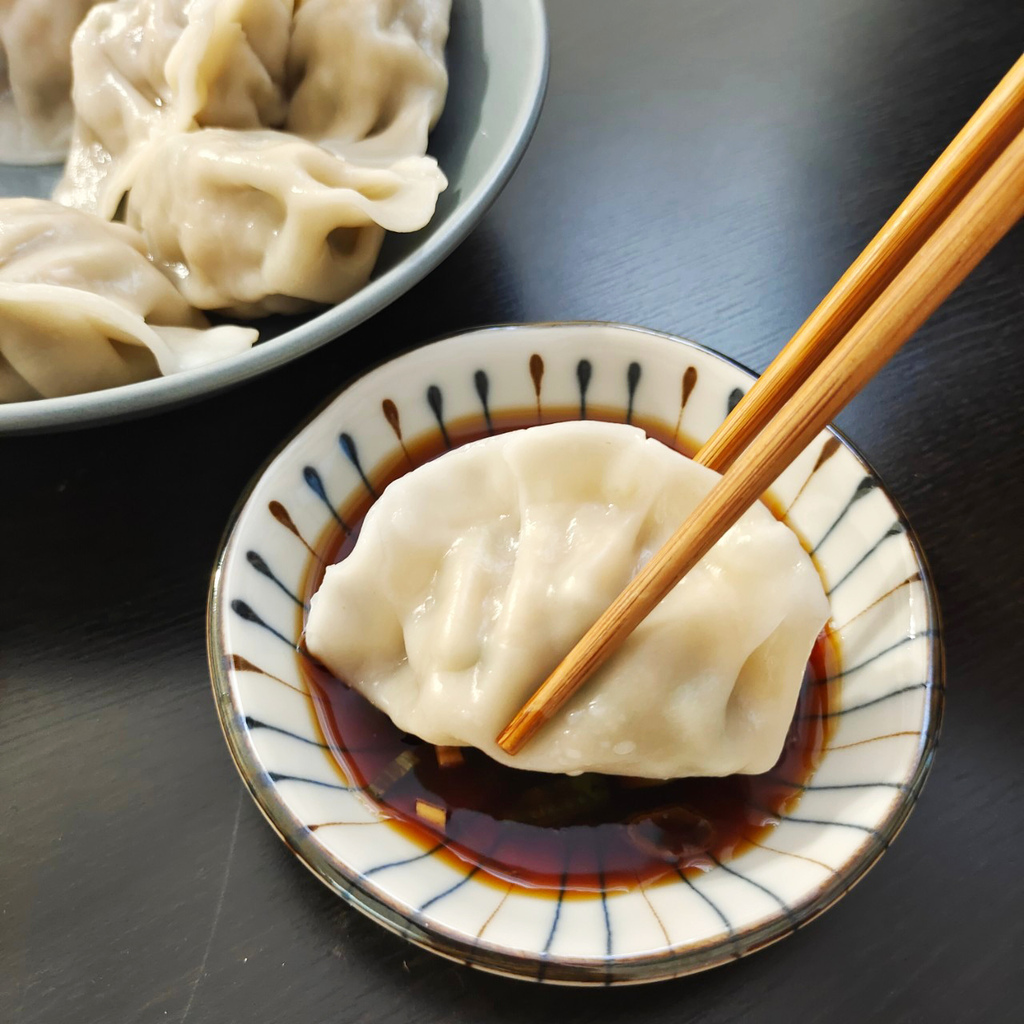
961 164
988 211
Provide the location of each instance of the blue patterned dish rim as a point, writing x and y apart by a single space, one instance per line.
498 55
884 613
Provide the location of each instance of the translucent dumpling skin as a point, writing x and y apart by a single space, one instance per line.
144 69
313 222
35 78
264 146
475 574
82 308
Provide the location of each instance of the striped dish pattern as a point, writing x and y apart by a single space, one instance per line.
883 612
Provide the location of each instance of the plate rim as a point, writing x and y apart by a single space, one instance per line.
560 970
97 408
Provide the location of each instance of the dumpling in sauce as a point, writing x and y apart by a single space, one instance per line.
82 308
473 575
35 78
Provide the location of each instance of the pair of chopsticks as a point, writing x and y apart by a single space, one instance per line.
969 198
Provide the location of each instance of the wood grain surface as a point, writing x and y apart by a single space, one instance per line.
706 167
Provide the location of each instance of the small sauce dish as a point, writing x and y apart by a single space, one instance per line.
882 715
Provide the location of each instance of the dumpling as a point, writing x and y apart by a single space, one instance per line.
476 573
144 68
365 78
257 222
370 72
369 81
82 308
35 78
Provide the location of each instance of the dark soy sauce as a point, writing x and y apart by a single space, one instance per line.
556 832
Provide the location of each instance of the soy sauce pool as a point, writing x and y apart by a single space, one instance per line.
552 832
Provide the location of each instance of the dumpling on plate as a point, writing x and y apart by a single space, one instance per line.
82 308
143 68
365 77
370 72
35 78
176 109
474 574
260 222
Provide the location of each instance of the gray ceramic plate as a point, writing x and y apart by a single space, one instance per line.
498 60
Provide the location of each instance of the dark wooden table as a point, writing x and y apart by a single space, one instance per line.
707 167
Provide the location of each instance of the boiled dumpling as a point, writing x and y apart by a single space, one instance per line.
259 222
476 573
145 68
365 78
176 109
35 78
82 308
368 72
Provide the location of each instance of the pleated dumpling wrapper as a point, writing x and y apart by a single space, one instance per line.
35 78
82 308
312 223
474 574
316 111
148 68
369 75
365 78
